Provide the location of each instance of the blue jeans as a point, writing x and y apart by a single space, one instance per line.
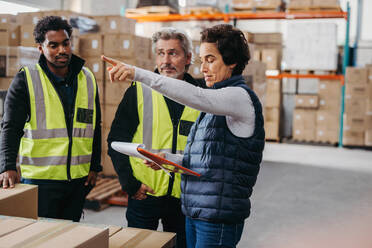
204 234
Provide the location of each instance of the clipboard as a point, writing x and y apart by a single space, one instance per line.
160 160
139 151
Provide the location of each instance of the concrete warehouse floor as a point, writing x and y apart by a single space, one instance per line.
301 190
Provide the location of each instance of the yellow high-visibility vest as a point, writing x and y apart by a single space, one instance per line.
44 148
155 130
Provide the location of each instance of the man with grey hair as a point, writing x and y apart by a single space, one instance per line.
145 116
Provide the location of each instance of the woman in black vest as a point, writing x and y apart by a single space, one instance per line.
225 143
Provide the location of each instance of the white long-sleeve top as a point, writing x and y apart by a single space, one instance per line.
232 102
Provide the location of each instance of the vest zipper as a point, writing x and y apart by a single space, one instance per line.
175 124
70 148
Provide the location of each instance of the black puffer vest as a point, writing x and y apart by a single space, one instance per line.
228 164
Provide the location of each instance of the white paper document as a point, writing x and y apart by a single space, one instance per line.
130 149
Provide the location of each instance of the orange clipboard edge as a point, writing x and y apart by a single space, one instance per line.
156 158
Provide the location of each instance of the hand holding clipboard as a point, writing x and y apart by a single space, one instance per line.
138 150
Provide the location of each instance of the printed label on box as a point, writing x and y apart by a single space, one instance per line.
126 44
113 25
94 44
95 67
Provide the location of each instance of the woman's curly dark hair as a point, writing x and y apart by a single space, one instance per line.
50 23
231 43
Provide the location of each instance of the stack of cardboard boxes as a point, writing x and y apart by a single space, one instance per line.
267 48
357 116
272 110
266 53
313 4
245 5
304 117
328 114
20 226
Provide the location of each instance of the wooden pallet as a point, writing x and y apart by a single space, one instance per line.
313 8
311 72
258 9
105 188
152 10
200 10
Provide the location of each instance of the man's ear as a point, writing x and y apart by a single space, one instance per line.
188 58
39 46
232 66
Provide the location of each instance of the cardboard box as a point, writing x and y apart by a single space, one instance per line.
307 101
368 120
256 55
114 92
353 138
327 120
271 38
119 25
145 63
369 106
74 235
273 99
272 130
9 34
5 82
136 238
326 3
272 115
354 122
368 137
356 75
301 134
30 233
108 167
304 119
356 90
260 90
109 115
14 200
299 4
95 64
132 46
332 105
27 37
329 89
327 136
267 4
29 18
271 58
8 18
357 107
257 70
274 86
91 45
8 225
111 44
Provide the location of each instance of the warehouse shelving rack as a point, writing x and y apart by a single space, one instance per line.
234 16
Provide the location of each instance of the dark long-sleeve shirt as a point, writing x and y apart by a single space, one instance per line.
17 112
124 127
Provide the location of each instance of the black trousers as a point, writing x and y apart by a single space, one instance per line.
147 213
61 200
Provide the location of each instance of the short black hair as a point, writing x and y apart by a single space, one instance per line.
231 44
49 23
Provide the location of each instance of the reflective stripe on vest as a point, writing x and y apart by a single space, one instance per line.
43 152
155 130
